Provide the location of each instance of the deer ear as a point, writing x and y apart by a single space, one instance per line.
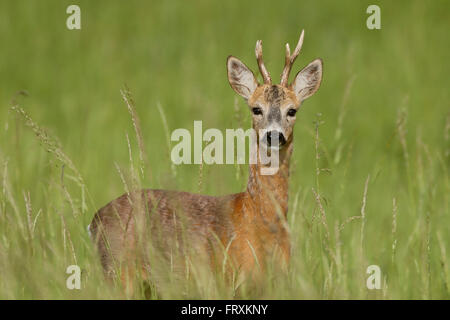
307 81
241 78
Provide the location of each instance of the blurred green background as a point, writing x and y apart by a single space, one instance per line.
383 112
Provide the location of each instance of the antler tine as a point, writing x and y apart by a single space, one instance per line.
262 68
290 59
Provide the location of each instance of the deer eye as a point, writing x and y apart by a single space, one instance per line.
291 112
257 111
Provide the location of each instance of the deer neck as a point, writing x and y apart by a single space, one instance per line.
269 193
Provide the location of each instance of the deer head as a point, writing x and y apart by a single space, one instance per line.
274 106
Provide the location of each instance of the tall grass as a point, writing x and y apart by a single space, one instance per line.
369 180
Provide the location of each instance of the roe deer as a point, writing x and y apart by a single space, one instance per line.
246 228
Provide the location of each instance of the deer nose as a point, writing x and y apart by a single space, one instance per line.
273 136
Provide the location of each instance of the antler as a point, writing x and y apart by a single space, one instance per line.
289 60
262 68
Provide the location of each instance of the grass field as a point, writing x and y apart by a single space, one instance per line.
373 143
